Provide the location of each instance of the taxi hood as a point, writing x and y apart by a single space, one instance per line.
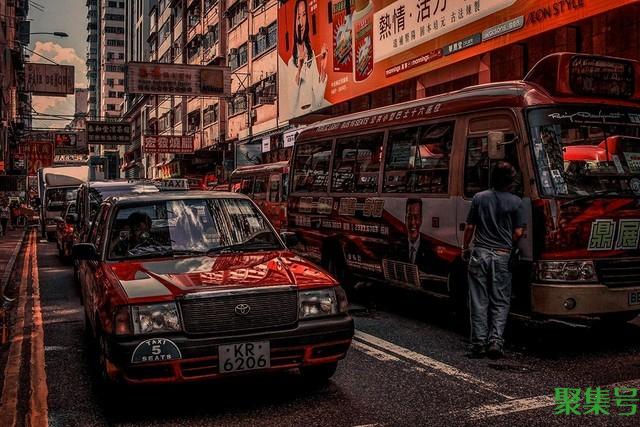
174 277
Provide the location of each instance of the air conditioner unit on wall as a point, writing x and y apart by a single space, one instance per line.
233 51
252 37
262 31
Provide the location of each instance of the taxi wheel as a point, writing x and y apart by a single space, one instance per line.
617 319
319 373
101 349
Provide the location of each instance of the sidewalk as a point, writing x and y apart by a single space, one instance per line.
9 249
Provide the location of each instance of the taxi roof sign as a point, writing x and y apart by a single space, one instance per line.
175 184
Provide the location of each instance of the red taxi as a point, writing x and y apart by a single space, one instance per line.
64 231
194 285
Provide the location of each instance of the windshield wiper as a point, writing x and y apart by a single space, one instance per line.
244 246
181 252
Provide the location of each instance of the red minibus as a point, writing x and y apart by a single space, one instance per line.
383 195
267 185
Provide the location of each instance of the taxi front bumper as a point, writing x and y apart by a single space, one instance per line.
312 342
583 300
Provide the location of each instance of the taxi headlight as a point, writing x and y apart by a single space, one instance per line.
566 271
154 318
321 302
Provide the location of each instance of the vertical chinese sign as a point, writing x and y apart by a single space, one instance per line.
39 154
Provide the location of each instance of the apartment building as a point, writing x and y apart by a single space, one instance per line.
112 29
93 58
15 105
137 48
239 33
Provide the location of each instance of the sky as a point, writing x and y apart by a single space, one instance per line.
69 16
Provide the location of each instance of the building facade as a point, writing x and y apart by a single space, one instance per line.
15 105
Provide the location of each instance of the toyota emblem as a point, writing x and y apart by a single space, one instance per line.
242 309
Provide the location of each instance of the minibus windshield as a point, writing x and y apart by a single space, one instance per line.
584 151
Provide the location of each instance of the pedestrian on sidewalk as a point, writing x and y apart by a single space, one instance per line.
495 223
5 215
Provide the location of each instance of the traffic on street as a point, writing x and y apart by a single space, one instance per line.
406 366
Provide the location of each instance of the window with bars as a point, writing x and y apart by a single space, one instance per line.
267 41
237 105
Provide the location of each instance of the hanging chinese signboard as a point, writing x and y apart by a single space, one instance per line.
108 133
179 80
39 154
49 79
173 144
345 49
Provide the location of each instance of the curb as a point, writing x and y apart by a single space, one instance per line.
10 265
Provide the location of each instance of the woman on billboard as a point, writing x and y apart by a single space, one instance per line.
305 68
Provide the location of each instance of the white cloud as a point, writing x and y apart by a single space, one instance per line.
58 105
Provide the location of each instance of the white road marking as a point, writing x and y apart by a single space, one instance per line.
430 363
374 352
525 404
509 407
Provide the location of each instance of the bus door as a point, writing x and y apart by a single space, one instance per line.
260 193
477 166
276 201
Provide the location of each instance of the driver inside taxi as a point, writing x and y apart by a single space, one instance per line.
139 225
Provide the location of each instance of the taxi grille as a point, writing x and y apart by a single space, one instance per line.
619 273
217 314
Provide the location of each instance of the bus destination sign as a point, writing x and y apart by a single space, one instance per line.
592 76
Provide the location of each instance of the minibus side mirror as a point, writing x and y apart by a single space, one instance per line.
496 145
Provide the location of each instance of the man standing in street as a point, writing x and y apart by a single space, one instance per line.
495 223
5 215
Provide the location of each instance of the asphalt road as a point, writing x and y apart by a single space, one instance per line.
407 367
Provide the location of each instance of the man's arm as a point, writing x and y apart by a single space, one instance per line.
468 235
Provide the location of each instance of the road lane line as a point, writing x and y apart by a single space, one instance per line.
509 407
430 363
374 352
524 404
11 386
38 415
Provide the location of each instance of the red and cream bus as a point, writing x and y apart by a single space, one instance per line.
267 185
384 194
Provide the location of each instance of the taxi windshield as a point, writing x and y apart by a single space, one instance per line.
189 227
586 152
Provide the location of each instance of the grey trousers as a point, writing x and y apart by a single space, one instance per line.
489 295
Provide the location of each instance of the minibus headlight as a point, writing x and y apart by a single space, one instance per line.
566 271
318 303
155 318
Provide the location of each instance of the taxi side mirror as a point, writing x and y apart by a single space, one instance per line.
290 238
496 145
84 252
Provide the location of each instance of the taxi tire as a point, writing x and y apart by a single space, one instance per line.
318 374
617 319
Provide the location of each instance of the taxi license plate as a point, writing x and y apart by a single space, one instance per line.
634 297
244 356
